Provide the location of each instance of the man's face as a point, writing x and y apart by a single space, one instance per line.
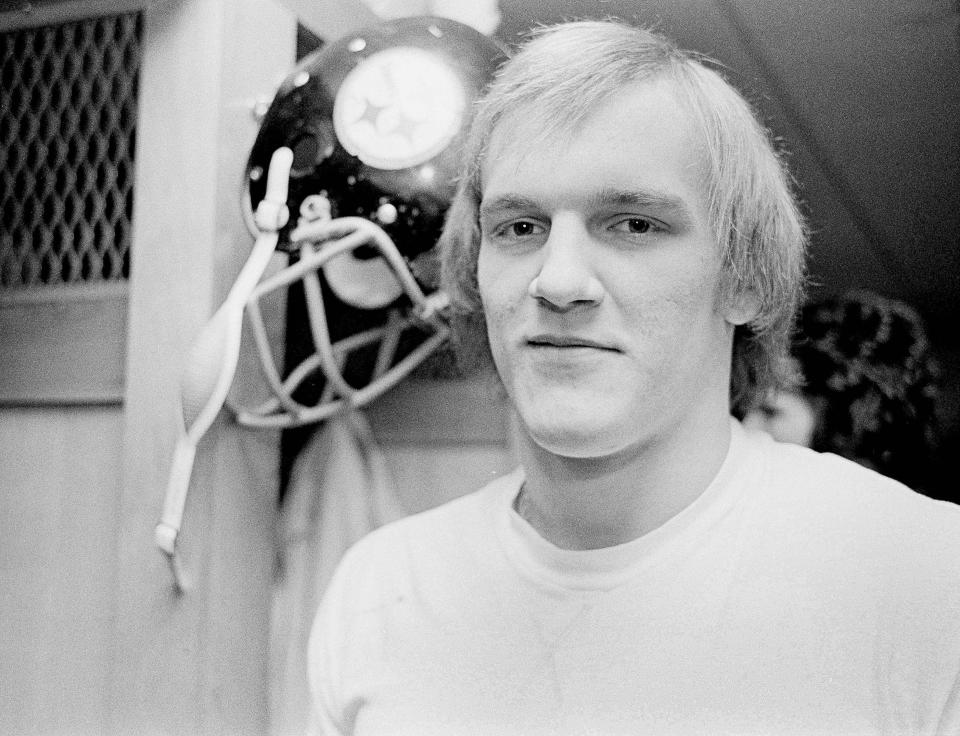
598 273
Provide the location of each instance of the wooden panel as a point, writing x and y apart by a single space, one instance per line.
63 344
59 494
59 484
197 662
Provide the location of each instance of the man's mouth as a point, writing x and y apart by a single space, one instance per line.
548 340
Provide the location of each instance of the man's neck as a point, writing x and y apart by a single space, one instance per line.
590 503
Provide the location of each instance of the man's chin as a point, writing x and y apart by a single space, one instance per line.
574 439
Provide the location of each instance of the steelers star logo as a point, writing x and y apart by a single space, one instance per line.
399 108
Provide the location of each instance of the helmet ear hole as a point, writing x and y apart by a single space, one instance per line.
311 147
304 155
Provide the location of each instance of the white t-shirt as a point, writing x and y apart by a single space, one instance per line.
799 594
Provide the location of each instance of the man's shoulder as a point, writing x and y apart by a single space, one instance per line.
851 534
841 495
842 480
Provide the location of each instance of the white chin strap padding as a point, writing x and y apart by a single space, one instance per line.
212 361
365 283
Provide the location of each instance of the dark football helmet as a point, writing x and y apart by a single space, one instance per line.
375 122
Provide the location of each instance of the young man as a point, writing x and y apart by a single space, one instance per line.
625 246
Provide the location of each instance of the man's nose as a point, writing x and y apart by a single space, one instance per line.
567 278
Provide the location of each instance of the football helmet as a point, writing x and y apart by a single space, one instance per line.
375 122
351 173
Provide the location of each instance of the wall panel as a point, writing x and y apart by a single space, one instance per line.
59 496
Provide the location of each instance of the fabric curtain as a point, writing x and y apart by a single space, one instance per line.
340 489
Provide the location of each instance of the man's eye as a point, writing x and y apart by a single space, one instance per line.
519 229
635 225
522 229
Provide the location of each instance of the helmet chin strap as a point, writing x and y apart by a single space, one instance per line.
327 244
212 361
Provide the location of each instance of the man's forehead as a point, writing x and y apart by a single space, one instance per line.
531 126
634 148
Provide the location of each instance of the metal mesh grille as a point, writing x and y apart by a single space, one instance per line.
68 98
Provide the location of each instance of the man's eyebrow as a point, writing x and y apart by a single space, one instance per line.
507 202
643 199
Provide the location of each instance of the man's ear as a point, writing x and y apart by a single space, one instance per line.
742 308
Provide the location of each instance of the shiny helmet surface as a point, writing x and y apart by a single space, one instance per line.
375 122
